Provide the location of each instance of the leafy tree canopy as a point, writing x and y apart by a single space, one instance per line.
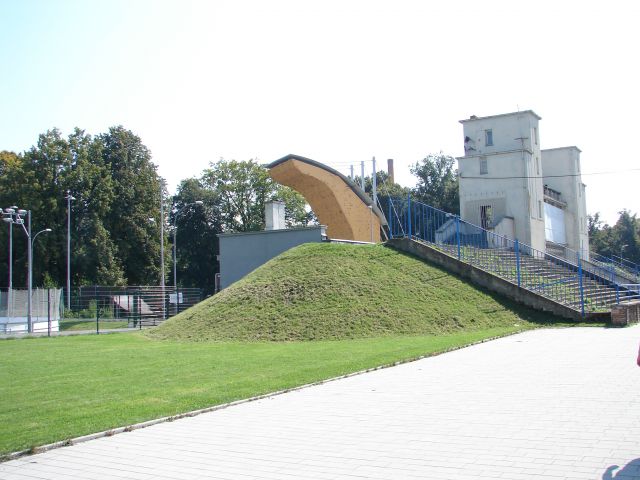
116 190
233 194
437 182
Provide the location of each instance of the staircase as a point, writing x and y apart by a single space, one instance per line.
585 287
551 277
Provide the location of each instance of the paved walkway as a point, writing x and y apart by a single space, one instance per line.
547 404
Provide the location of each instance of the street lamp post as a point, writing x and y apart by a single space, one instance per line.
69 197
32 241
17 216
175 245
162 248
11 210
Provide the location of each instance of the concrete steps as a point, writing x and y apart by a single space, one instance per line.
553 278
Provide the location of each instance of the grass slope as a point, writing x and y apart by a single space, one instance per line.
334 291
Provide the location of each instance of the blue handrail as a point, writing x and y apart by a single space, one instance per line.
586 286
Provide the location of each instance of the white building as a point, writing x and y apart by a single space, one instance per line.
510 186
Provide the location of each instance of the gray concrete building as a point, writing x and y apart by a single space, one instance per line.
241 253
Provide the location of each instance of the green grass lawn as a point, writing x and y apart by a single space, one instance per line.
315 312
61 387
76 325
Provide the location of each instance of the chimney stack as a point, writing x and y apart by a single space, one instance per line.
390 170
274 215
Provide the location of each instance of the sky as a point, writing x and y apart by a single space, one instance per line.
337 81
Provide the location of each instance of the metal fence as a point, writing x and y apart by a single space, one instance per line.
93 308
582 285
46 310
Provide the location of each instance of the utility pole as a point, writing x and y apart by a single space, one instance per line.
162 247
30 274
362 174
374 183
351 172
69 197
162 235
16 215
9 300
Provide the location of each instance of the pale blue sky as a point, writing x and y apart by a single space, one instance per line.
336 81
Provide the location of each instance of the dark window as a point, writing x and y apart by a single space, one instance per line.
486 216
484 167
488 137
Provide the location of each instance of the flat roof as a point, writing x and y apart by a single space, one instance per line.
279 230
474 118
561 148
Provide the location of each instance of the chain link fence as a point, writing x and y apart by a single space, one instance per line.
46 310
93 308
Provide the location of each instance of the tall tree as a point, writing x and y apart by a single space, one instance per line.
134 213
626 233
116 190
621 239
11 168
233 195
437 182
243 188
198 227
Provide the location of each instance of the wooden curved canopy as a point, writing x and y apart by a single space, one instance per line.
337 201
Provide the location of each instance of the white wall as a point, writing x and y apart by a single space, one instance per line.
561 168
515 153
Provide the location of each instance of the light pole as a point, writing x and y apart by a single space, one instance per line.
31 242
11 210
69 197
162 248
17 216
175 240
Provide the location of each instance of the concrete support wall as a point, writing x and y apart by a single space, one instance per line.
625 313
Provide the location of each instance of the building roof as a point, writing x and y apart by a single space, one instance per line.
360 193
562 148
474 118
263 232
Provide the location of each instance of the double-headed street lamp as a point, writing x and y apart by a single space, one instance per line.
14 215
175 241
10 210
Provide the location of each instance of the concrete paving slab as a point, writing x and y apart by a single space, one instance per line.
545 404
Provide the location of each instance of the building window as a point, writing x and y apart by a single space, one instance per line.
537 166
540 211
484 167
488 137
535 135
486 216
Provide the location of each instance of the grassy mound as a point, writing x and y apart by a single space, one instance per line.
333 291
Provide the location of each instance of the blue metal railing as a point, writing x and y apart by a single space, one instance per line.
571 281
619 266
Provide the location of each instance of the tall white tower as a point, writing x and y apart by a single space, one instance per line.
565 200
501 186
